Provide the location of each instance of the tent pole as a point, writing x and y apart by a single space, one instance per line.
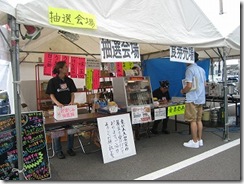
226 127
16 77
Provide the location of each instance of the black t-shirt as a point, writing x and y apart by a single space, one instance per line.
61 89
159 94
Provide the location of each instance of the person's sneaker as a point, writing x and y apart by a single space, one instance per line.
154 131
165 132
200 142
71 152
60 155
191 144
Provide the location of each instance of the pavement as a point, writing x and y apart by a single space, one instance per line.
160 157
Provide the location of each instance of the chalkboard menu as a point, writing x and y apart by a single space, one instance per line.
35 158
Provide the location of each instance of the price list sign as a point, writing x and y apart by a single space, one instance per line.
35 159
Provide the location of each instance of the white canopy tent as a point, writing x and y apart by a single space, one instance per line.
155 25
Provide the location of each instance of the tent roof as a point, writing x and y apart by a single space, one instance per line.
154 25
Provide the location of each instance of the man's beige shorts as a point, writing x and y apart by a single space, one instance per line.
193 112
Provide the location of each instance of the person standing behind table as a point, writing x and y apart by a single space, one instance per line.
162 93
61 89
194 102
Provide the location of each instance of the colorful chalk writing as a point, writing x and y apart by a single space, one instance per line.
35 158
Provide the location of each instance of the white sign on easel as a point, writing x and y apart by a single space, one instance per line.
116 137
159 113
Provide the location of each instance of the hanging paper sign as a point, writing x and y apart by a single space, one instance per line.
141 114
182 54
71 18
96 79
81 64
116 137
56 58
119 69
93 64
66 59
127 65
89 79
73 67
116 51
159 113
47 68
176 110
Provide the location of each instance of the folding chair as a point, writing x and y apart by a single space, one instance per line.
87 134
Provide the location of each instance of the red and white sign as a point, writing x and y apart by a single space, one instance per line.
66 112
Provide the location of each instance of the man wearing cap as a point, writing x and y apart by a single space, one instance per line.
162 94
194 102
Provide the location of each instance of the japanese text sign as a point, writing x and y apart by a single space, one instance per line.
71 18
159 113
89 74
116 51
66 112
176 110
182 54
141 114
116 137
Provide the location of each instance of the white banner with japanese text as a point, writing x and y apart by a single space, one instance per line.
116 137
182 54
117 51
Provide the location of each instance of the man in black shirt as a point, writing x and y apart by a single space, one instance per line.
162 94
61 89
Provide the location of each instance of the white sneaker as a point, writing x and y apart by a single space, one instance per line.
191 144
200 142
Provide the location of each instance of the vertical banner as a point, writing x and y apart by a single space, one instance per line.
89 79
116 51
81 67
35 159
56 58
95 79
66 59
119 69
182 54
48 67
116 137
141 114
73 67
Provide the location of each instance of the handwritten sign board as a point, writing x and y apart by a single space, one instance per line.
35 158
176 110
182 54
141 114
116 137
159 113
116 51
66 112
71 18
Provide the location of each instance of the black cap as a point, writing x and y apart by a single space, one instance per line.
164 84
